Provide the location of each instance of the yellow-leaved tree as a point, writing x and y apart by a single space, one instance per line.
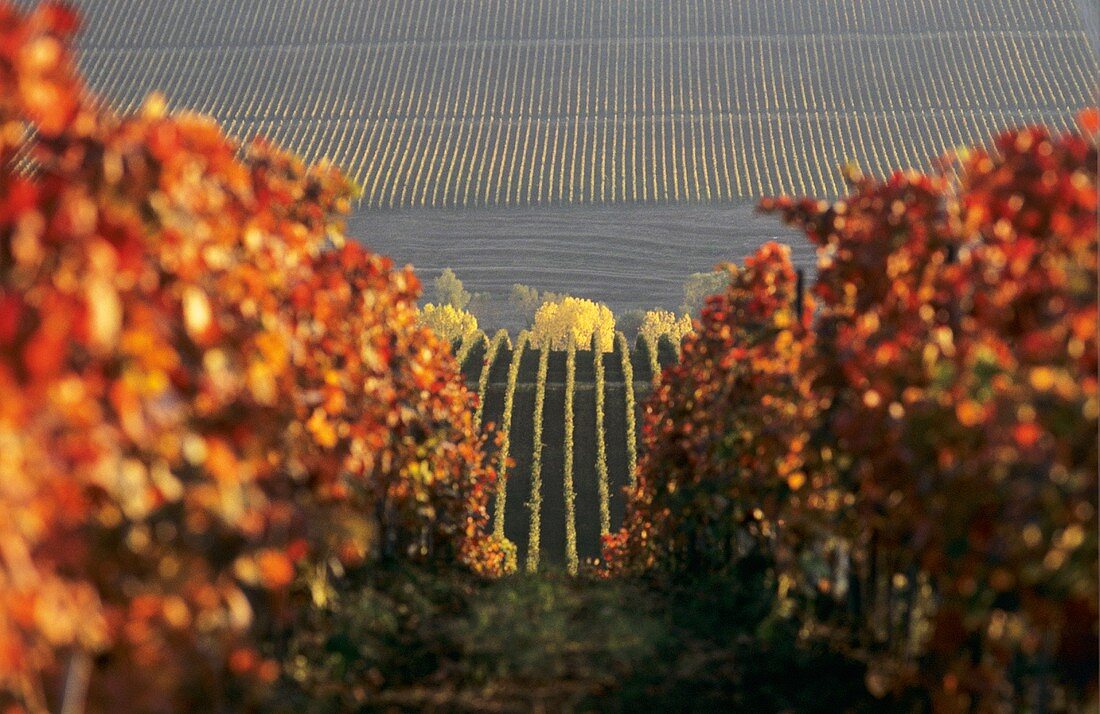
447 321
575 320
657 323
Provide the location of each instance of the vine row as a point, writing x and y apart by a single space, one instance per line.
506 426
469 341
535 502
601 441
499 339
628 391
572 561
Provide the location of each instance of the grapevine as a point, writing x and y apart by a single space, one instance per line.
469 341
601 440
905 451
631 425
506 425
535 504
500 339
650 346
206 391
572 561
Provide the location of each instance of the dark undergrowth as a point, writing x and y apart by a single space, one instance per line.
410 640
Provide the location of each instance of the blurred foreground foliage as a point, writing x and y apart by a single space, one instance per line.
235 470
204 392
914 443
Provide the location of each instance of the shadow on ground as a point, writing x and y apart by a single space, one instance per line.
409 640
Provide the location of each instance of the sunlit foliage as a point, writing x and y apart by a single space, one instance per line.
586 466
575 320
469 341
648 348
500 339
663 323
723 433
929 460
572 562
448 322
534 541
599 386
630 406
202 389
522 343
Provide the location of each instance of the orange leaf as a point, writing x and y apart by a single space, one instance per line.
276 570
1089 119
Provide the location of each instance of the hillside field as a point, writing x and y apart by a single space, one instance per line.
452 103
605 149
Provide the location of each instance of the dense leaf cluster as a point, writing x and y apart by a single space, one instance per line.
202 390
921 450
569 319
661 323
448 322
722 438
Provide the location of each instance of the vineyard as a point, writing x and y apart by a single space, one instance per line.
536 102
572 422
242 468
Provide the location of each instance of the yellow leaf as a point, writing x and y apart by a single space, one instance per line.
104 314
196 312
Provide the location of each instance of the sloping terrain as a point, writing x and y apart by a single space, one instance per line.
535 102
619 145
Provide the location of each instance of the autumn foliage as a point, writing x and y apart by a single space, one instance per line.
661 323
569 319
918 457
203 391
722 434
448 322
